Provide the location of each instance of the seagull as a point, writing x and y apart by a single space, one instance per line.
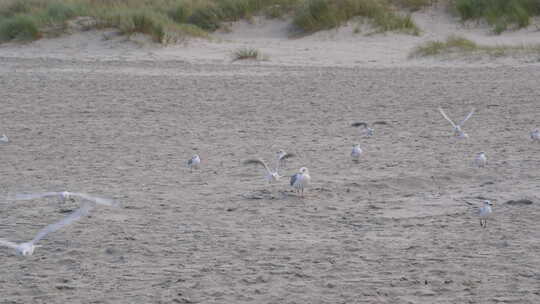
457 128
194 162
4 139
300 180
271 176
484 212
26 249
480 160
65 195
282 157
356 151
367 129
535 135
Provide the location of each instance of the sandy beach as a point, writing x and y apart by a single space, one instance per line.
399 226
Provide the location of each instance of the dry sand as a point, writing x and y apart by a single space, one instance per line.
398 227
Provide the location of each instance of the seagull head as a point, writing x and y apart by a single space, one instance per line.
356 145
280 154
488 203
304 170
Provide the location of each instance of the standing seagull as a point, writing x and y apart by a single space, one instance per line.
4 139
194 162
484 212
300 180
356 151
480 160
457 128
282 157
271 176
27 248
535 135
64 196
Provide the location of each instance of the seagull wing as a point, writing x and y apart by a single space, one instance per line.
259 162
31 196
98 200
287 155
294 178
466 118
446 117
359 124
73 216
8 244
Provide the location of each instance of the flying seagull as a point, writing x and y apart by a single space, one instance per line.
356 151
28 248
271 175
369 131
4 139
480 160
300 180
457 128
484 212
194 162
65 195
282 157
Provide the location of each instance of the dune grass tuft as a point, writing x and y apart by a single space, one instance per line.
465 47
247 53
20 28
316 15
500 14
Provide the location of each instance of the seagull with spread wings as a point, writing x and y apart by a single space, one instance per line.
271 175
368 131
27 248
282 157
65 195
457 128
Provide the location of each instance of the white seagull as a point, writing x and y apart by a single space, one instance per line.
194 162
65 195
282 157
300 180
480 160
356 151
457 128
28 248
271 175
4 139
535 135
484 212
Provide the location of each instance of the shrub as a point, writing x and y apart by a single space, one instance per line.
59 12
246 53
498 13
18 28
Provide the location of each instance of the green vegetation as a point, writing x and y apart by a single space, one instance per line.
316 15
246 53
500 14
465 47
19 28
170 20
